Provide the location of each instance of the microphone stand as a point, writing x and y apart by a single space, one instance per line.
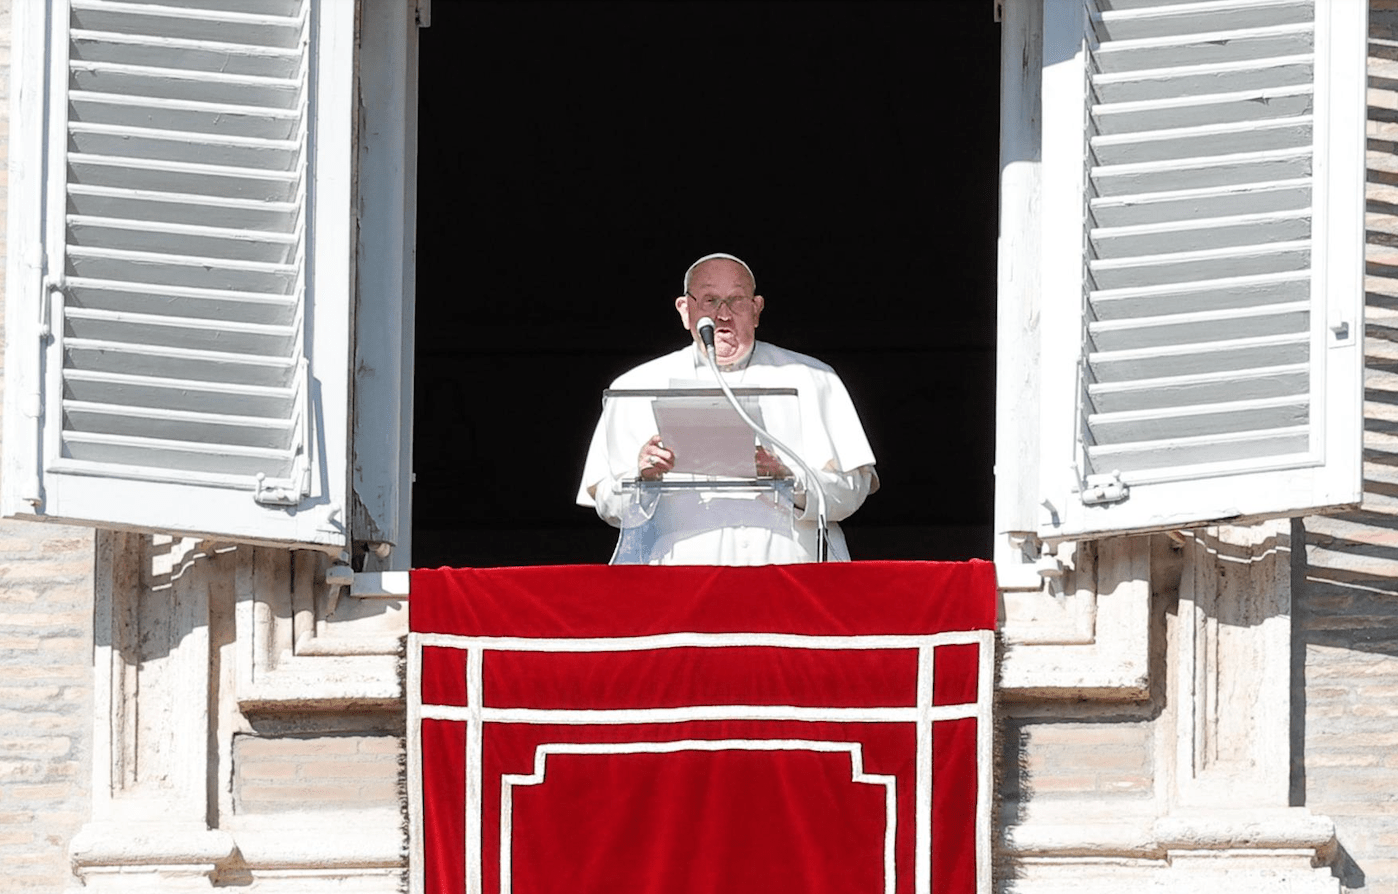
707 334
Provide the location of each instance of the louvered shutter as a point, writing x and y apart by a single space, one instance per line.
179 320
1203 261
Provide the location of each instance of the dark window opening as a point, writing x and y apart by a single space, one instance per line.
574 158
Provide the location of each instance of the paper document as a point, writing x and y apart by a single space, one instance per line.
707 435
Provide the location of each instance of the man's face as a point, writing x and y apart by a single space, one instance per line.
722 289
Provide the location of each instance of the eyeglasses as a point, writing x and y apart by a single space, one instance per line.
739 306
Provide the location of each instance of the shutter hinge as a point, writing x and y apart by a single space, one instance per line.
1105 489
32 405
52 284
275 493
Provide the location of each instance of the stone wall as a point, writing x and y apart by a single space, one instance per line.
45 663
278 774
45 700
1345 740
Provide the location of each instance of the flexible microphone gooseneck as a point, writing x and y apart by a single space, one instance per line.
706 334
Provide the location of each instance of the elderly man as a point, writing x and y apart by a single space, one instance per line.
698 528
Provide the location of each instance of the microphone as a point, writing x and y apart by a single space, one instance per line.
706 332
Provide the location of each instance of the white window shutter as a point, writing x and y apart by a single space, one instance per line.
178 317
1202 261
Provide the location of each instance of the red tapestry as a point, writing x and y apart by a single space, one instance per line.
795 729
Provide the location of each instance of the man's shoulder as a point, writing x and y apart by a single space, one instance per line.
660 368
769 354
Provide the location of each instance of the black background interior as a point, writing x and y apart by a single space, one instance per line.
574 158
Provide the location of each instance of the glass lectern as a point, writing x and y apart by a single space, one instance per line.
714 486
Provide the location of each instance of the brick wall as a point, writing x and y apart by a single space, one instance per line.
297 773
1345 628
1104 760
45 663
45 700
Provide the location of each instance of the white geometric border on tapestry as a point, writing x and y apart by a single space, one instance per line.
476 715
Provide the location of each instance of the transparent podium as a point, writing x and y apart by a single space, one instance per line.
713 504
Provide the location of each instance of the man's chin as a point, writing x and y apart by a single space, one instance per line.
729 352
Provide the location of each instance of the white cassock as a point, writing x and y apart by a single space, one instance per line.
709 528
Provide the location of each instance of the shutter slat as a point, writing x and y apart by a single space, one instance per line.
208 243
255 8
182 270
1193 204
1208 388
158 84
216 13
135 471
1196 455
180 208
1196 266
1201 112
126 389
1197 359
186 456
172 79
177 363
170 425
192 23
231 306
151 261
160 300
184 332
1132 22
156 145
1194 297
215 181
190 231
1201 83
1234 417
1202 173
1204 48
95 441
1200 234
208 173
181 53
1199 328
1182 143
153 134
184 115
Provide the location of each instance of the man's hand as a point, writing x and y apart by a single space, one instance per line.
655 460
769 466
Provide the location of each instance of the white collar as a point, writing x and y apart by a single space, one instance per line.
700 363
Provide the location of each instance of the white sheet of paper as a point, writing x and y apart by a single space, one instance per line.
707 435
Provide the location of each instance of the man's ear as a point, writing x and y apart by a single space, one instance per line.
682 305
757 305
